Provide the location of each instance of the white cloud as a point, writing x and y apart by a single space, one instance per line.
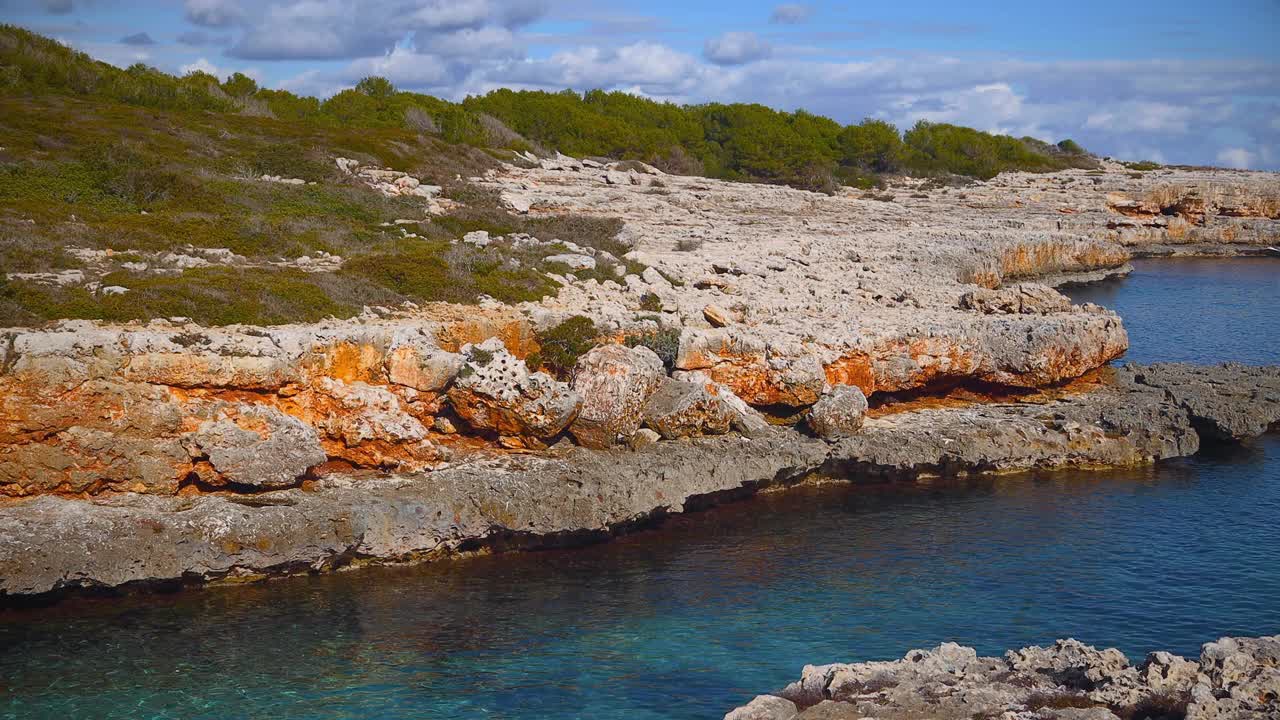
790 13
1142 116
202 65
404 68
736 48
1236 158
341 30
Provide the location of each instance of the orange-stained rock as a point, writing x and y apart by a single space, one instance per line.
614 382
496 393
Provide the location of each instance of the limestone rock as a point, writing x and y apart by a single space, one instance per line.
745 419
643 438
1024 299
684 409
764 707
573 260
1227 402
1236 679
420 367
614 382
257 446
716 315
838 413
495 392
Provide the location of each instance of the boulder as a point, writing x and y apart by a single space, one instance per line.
745 419
495 392
716 315
479 238
258 446
684 409
518 202
573 260
838 413
614 382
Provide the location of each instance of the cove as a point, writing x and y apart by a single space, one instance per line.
692 619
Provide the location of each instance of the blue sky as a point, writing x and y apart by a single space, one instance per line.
1172 81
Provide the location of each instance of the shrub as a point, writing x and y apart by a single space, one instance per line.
1071 147
1160 706
435 271
562 345
1058 701
286 161
663 341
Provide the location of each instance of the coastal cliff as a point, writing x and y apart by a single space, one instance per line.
744 355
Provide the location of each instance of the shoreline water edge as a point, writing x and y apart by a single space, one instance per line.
805 337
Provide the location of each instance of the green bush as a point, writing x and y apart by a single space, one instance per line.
438 271
562 345
288 161
663 341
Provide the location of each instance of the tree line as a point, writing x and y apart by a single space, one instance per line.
738 141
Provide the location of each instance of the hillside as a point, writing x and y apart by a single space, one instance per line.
115 180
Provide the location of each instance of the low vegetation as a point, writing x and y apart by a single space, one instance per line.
132 177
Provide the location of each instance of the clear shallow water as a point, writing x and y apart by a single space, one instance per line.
693 619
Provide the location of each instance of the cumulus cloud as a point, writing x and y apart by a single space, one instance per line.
736 48
337 30
214 13
202 65
1235 157
404 68
137 39
790 14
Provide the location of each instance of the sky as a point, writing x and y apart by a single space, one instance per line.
1170 81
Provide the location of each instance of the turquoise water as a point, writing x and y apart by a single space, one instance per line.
694 618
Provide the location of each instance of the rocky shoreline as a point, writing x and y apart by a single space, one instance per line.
774 336
1233 679
573 494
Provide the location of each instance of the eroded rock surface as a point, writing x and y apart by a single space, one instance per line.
838 413
1234 679
49 543
1229 401
614 382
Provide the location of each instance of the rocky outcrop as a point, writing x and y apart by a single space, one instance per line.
1200 214
679 409
576 494
1024 299
614 383
495 392
88 408
838 413
1227 402
1234 679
